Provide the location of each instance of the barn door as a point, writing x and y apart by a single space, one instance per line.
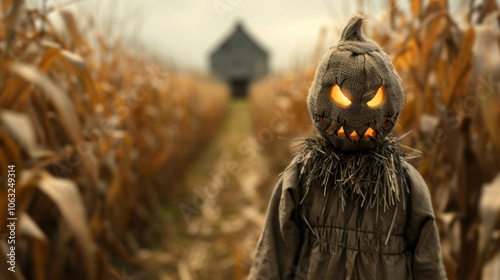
239 88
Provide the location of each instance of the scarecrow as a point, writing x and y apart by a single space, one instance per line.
350 206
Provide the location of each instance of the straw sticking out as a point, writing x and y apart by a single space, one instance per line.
372 177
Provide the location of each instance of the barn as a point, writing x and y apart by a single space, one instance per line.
239 60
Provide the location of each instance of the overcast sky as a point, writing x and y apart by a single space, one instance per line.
186 31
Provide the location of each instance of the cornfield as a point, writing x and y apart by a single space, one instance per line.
97 138
451 68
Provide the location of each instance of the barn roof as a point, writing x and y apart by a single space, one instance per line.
239 29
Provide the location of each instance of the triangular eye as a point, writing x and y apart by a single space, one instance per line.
378 99
338 97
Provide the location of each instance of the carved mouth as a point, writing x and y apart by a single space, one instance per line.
340 129
369 133
355 135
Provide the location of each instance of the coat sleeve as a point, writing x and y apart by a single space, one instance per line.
423 235
276 249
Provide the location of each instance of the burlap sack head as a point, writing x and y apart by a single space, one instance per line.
356 94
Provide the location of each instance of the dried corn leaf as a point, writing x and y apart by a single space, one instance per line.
5 5
39 243
416 7
12 152
490 217
461 68
66 197
54 94
19 126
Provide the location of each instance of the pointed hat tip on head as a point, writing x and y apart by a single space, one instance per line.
352 31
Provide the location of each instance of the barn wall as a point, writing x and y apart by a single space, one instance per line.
239 58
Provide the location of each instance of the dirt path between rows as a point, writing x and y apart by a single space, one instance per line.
217 224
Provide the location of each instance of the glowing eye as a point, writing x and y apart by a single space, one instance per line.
339 98
378 99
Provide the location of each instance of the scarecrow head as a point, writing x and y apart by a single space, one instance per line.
356 94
